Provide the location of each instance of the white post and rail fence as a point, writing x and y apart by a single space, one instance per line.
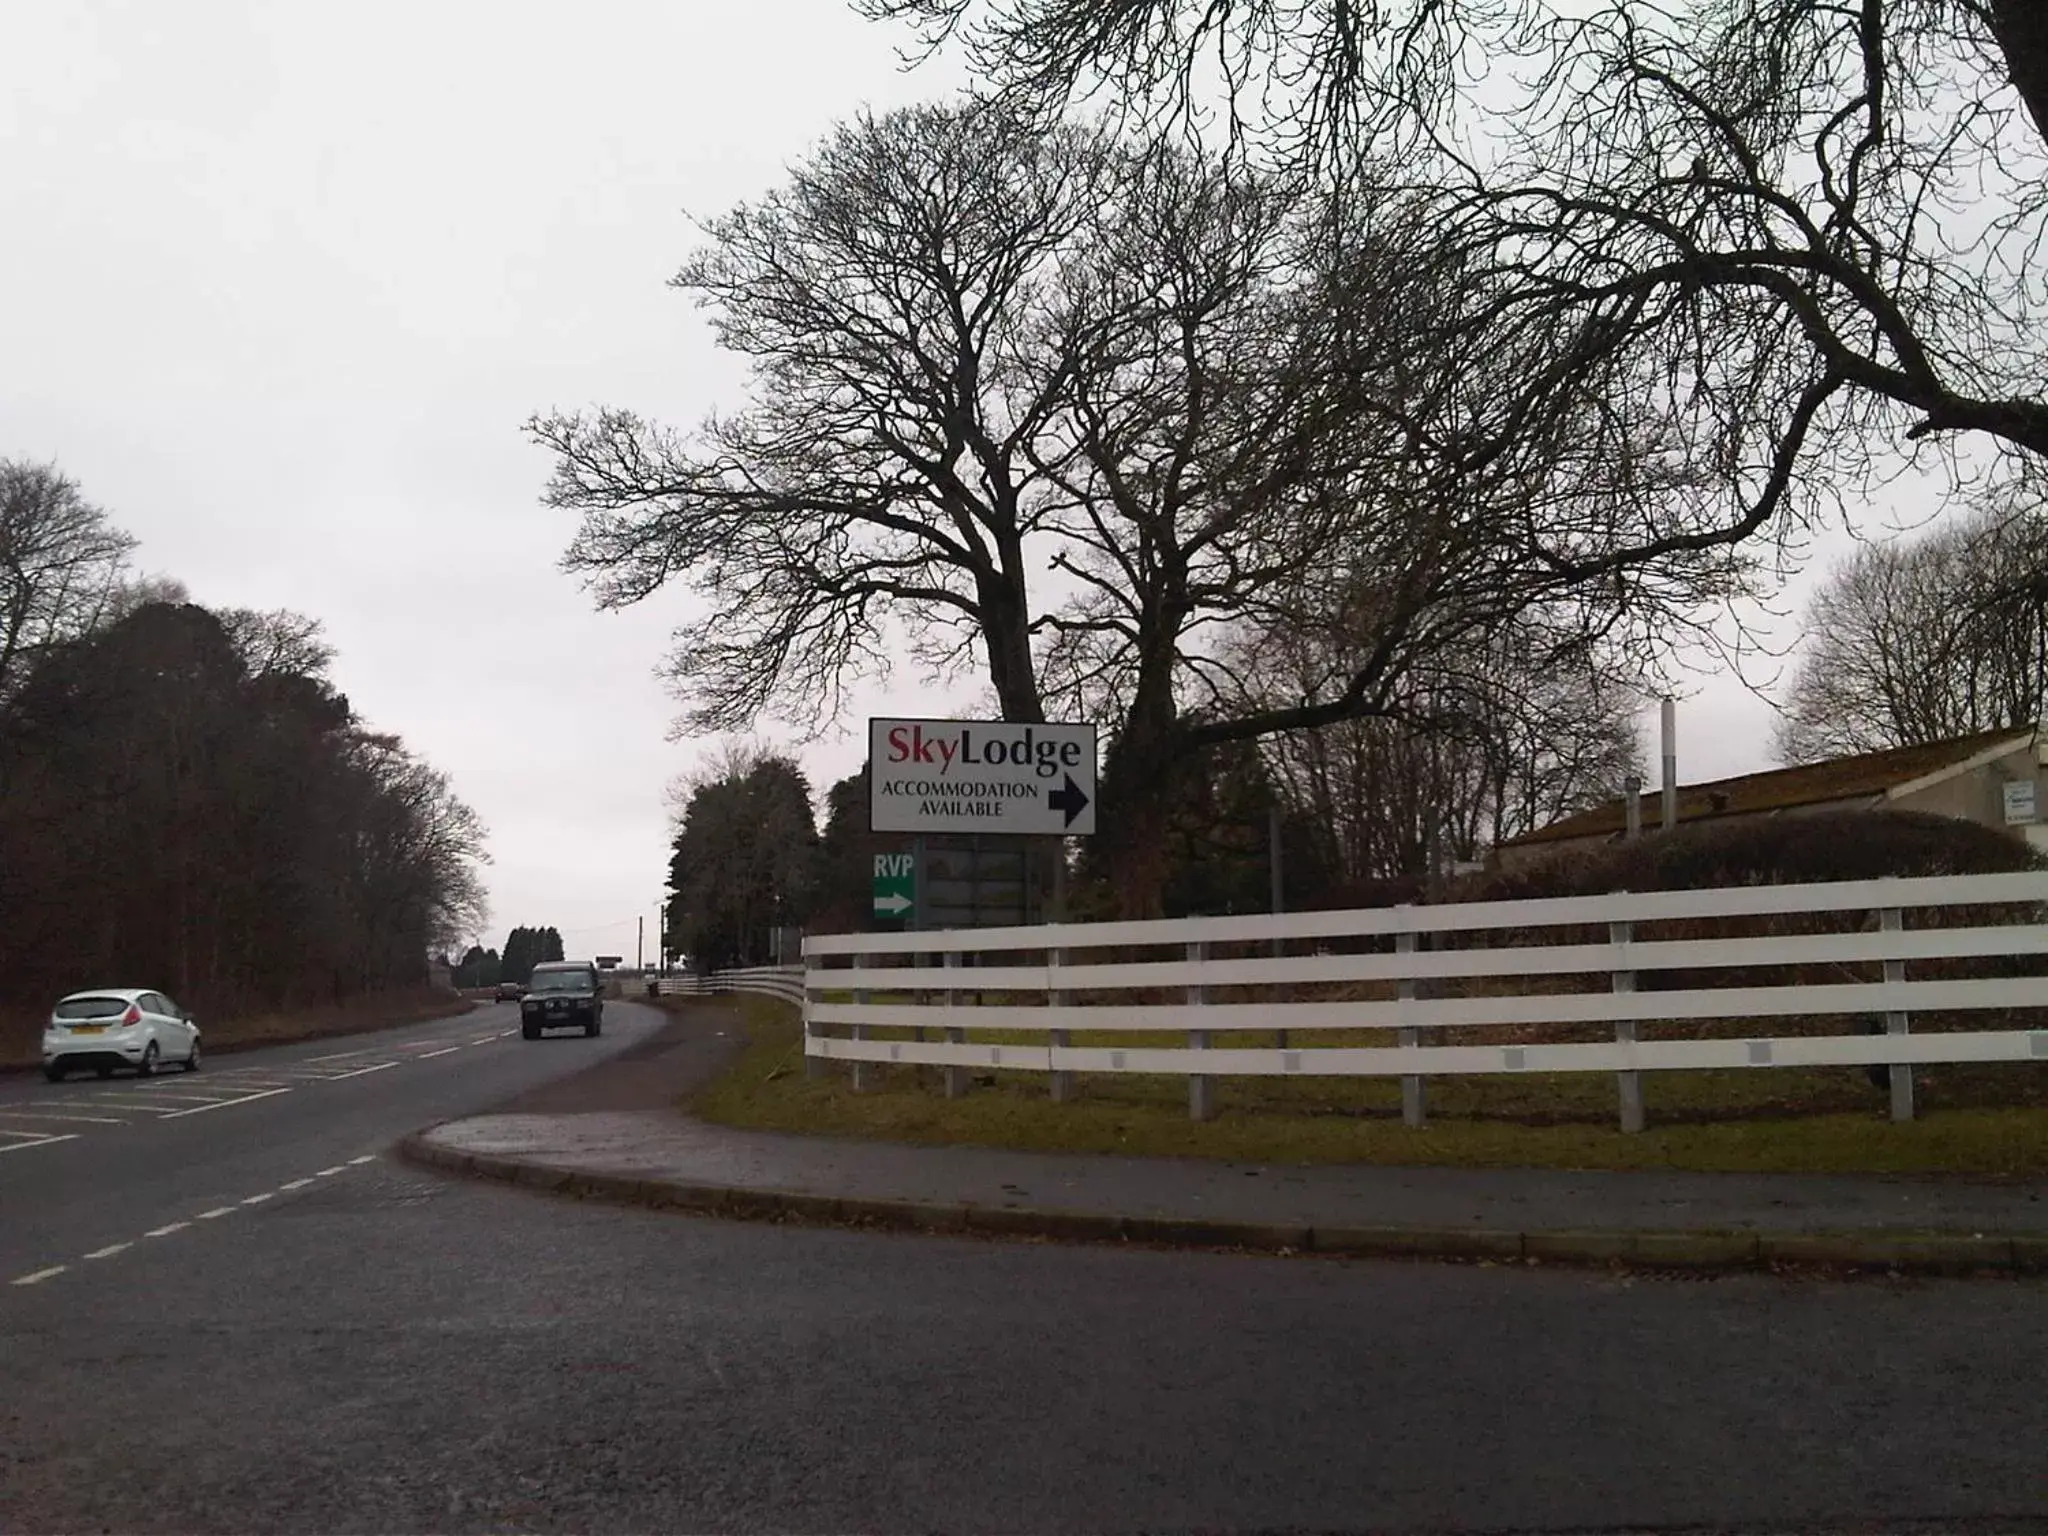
1879 974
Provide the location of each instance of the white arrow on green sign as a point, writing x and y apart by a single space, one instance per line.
895 884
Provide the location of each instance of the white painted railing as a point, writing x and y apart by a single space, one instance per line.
783 981
937 983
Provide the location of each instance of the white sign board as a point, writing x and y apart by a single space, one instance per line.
981 776
2020 802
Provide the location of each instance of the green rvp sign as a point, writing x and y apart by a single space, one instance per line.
895 884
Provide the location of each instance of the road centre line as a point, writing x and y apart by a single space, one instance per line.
36 1277
26 1135
483 1039
360 1071
246 1098
58 1114
448 1050
258 1080
340 1055
174 1096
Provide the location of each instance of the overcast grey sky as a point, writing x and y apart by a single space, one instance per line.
282 279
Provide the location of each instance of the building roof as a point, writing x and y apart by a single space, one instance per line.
1870 776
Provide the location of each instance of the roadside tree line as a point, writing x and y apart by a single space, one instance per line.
524 949
187 801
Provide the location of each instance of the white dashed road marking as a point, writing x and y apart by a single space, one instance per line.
247 1098
124 1103
382 1066
37 1277
40 1141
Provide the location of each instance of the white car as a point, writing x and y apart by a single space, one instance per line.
111 1027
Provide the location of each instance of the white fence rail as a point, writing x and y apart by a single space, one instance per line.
930 992
783 981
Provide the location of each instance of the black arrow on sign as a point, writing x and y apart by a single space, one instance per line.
1072 799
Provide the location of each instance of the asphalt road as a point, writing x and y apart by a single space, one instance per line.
320 1339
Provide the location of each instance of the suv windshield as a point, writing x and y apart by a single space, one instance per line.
560 981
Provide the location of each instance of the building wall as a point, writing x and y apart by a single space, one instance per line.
1979 795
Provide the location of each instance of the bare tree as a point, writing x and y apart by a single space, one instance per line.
61 563
878 487
1921 641
1483 742
1205 405
1316 78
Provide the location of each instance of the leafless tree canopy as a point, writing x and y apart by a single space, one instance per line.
1484 742
1099 415
61 565
1913 642
1813 227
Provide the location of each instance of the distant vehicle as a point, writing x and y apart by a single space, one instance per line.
562 993
111 1027
510 991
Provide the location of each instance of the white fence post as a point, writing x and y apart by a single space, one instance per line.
1201 1088
1414 1096
1629 1083
956 1077
1893 920
863 1071
1062 1082
814 1066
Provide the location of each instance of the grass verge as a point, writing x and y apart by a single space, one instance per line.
1983 1122
20 1037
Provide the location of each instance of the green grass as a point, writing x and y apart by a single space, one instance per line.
1977 1120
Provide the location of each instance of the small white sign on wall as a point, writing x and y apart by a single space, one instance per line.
2021 803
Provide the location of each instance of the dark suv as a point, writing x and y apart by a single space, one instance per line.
561 993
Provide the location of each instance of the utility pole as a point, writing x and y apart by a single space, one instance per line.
1668 730
640 944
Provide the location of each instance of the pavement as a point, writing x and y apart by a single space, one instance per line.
614 1133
